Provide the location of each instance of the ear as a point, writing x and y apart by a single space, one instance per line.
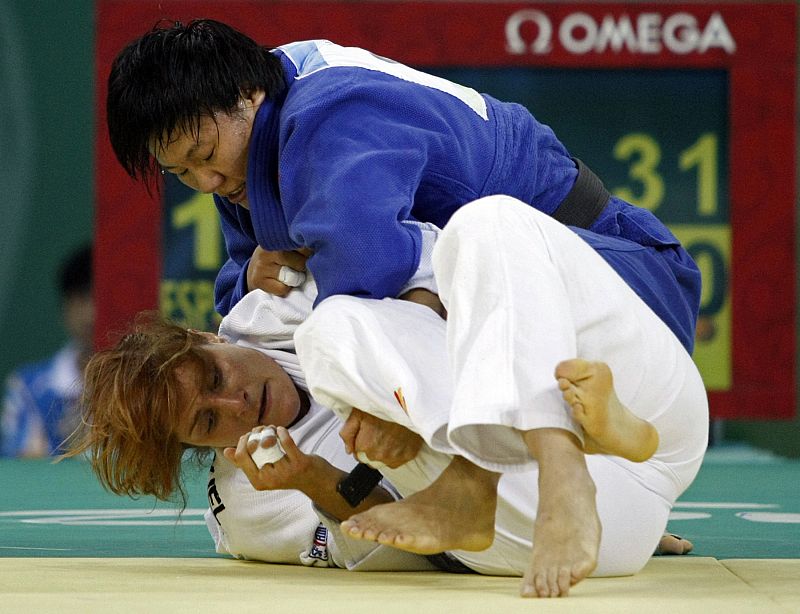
253 98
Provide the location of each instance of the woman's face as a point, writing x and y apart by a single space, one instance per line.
232 390
215 159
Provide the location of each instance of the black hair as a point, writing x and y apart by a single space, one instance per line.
75 273
164 81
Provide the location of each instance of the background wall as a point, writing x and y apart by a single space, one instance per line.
46 164
46 170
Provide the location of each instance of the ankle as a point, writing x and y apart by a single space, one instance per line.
467 472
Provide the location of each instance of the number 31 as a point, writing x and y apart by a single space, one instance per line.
644 154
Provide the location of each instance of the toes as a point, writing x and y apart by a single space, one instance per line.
574 369
559 579
527 588
350 527
673 544
372 534
360 529
572 396
564 581
386 537
552 582
540 583
566 369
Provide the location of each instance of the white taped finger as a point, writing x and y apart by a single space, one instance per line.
261 456
290 277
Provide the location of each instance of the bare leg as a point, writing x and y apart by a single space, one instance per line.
456 512
567 530
609 426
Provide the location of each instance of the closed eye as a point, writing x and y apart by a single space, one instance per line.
211 155
172 171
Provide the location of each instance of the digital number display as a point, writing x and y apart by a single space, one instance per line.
658 139
193 251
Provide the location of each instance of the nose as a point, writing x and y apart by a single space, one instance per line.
233 403
207 180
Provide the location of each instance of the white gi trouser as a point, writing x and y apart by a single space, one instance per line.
523 292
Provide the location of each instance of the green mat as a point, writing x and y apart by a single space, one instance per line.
744 504
61 510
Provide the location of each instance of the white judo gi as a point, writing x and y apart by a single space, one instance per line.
283 526
523 293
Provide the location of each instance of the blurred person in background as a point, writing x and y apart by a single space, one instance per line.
39 402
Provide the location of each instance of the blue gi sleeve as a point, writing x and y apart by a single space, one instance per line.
348 203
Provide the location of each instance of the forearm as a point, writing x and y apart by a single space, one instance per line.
321 489
427 298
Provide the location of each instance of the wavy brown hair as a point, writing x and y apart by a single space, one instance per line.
130 409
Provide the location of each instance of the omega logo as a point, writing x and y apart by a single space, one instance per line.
648 33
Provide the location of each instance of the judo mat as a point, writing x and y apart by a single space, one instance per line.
68 546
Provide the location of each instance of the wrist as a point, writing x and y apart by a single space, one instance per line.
321 477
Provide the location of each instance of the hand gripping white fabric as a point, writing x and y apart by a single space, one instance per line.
261 456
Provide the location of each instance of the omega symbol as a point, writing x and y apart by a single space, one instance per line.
516 44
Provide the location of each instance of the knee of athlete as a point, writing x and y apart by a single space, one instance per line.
473 223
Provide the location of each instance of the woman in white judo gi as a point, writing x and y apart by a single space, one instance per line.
139 432
587 484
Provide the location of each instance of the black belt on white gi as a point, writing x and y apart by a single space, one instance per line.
585 201
447 562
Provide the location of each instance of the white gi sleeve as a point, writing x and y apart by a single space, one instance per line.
217 534
423 277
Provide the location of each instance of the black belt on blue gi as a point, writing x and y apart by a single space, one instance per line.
585 201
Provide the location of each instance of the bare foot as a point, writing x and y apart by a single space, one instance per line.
456 512
609 426
566 536
673 544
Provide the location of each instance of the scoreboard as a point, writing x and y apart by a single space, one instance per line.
687 109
